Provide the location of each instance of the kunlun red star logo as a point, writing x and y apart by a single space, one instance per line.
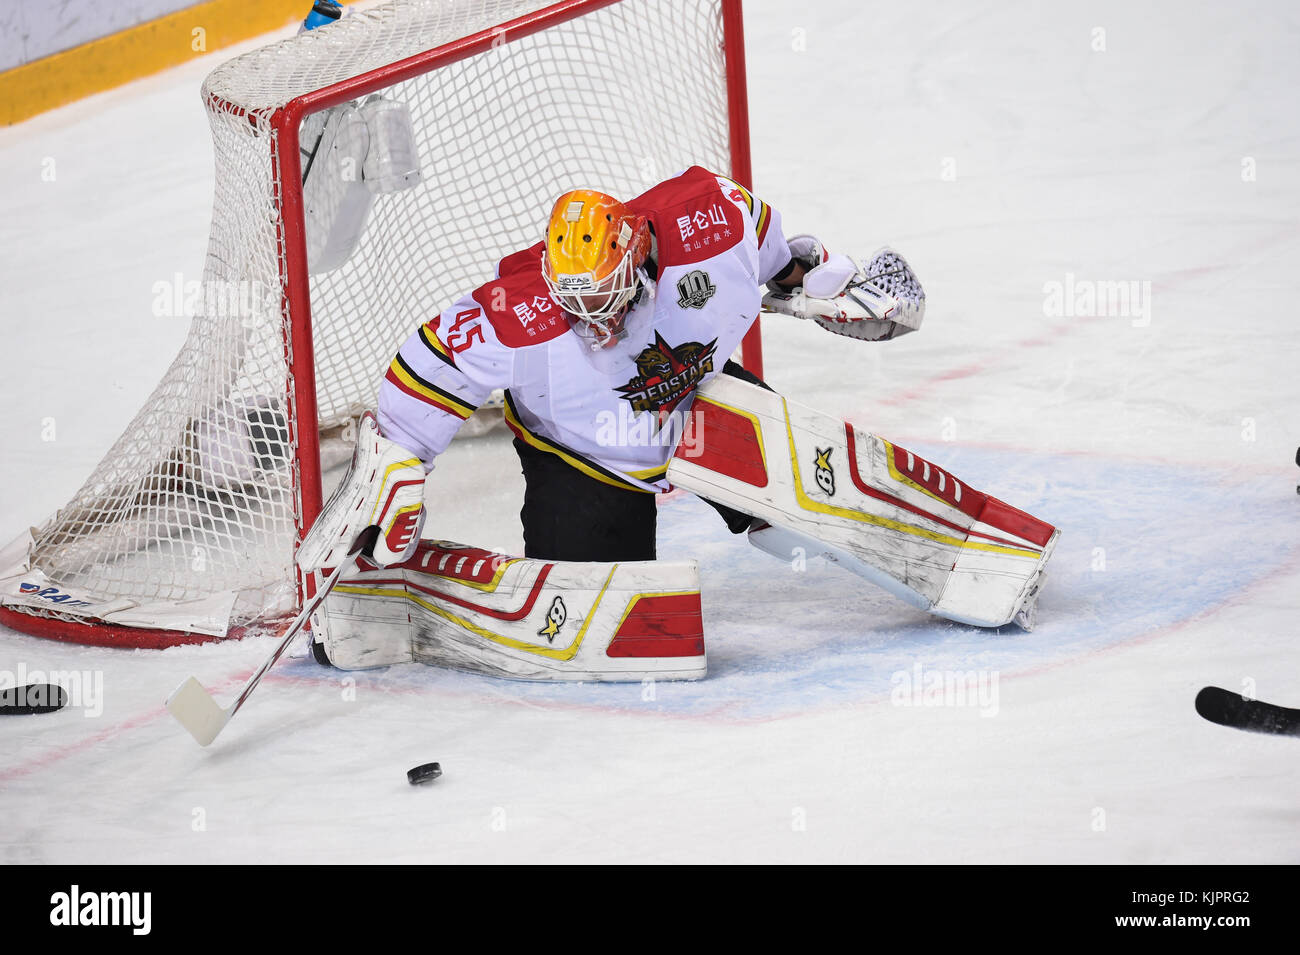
667 374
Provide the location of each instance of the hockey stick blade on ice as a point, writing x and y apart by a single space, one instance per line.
196 710
1234 710
32 698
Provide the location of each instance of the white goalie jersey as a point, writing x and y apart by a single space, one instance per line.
615 413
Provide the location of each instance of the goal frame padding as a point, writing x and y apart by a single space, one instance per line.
100 633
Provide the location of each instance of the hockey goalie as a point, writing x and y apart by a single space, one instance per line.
611 339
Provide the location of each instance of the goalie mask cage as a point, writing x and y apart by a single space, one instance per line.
186 530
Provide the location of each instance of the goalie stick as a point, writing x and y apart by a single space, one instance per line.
193 706
1232 709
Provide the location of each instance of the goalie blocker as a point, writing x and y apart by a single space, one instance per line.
875 508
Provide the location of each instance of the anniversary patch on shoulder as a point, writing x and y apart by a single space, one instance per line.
694 289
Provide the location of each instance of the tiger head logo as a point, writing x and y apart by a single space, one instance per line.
653 363
666 374
689 352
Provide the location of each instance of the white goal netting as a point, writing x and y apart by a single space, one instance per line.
200 496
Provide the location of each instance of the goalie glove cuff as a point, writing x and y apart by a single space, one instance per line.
826 274
806 252
831 277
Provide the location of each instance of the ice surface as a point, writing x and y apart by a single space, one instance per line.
1162 449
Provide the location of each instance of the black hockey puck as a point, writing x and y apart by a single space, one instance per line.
423 774
31 699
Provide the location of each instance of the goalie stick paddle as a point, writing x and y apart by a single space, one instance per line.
1232 709
193 706
32 698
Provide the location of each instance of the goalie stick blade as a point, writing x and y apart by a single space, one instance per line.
32 698
1232 709
196 710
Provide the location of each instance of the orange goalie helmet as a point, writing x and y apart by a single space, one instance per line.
594 247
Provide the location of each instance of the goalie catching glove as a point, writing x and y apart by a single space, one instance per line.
383 489
873 302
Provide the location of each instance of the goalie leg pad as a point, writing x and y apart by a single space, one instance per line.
879 509
471 609
784 544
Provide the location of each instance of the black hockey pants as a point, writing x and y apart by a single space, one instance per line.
568 515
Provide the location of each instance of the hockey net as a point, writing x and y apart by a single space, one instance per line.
187 528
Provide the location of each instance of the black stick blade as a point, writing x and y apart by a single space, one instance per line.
1232 709
32 698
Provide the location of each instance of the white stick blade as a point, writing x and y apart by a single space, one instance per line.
197 711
